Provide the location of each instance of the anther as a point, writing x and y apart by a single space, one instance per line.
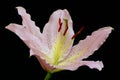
60 25
66 25
78 32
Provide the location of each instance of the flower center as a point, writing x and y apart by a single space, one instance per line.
62 44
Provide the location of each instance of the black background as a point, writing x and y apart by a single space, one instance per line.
15 63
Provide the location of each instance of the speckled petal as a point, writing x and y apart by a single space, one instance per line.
75 65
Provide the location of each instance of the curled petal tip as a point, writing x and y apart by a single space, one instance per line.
109 28
19 7
21 10
94 64
12 27
100 65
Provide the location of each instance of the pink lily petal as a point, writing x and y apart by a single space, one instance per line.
86 47
75 65
28 32
28 38
28 23
50 30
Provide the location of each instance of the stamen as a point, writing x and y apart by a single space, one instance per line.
66 25
78 32
60 25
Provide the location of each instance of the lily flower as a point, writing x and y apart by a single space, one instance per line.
53 47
